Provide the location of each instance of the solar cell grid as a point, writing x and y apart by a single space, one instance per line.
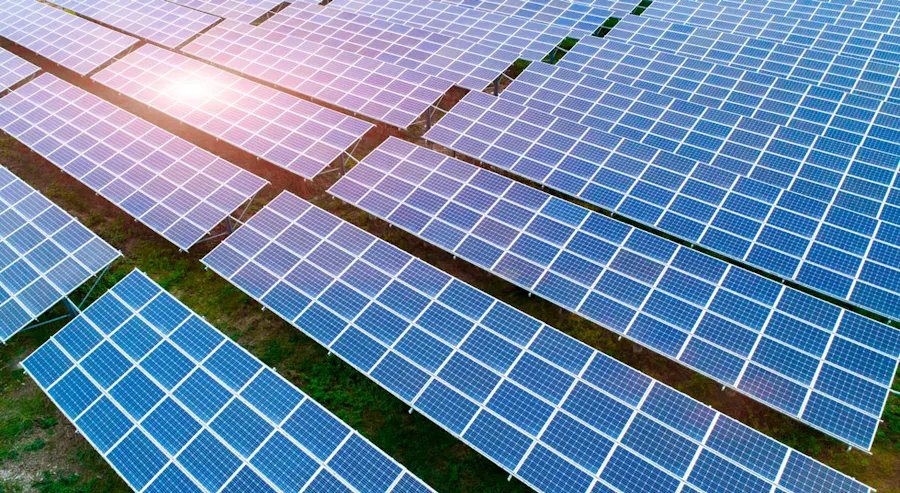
14 70
45 254
744 145
290 132
379 90
79 45
236 10
810 108
580 19
155 20
638 285
533 40
788 5
469 66
175 188
545 407
191 411
844 249
811 15
845 73
873 42
827 12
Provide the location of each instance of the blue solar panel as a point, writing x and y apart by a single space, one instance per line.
175 405
798 234
580 19
862 34
718 319
14 69
174 187
545 407
847 73
811 9
533 40
45 254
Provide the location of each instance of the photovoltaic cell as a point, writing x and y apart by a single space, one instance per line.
807 107
469 66
744 145
64 38
720 320
45 254
850 14
174 187
533 40
379 90
550 410
290 132
236 10
783 231
193 411
14 70
859 38
843 72
155 20
580 19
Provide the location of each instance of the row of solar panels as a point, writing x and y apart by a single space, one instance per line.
851 326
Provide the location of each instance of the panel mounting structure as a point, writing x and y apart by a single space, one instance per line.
45 255
723 321
175 188
175 405
72 42
556 413
297 135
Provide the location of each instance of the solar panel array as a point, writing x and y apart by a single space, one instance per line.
155 20
556 413
845 14
45 254
842 72
533 40
751 146
469 66
794 104
79 45
174 405
236 10
14 70
841 244
174 187
734 326
869 41
795 8
579 19
382 91
290 132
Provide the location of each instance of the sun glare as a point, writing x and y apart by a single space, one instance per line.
188 89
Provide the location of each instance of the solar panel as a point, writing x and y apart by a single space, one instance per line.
155 20
533 40
872 43
720 320
845 73
579 19
794 104
66 39
45 254
790 159
844 249
545 407
382 91
173 404
236 10
14 70
469 66
295 134
812 17
802 5
174 187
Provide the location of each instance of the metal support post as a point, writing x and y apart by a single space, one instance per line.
497 85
